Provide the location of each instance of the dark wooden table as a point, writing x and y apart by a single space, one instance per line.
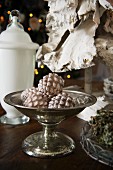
12 157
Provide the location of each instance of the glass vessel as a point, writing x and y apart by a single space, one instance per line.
48 142
95 150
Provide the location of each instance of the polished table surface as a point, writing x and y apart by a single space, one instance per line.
12 157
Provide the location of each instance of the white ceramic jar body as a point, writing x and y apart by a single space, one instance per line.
17 63
16 73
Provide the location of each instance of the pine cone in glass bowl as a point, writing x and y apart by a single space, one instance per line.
51 84
62 100
36 99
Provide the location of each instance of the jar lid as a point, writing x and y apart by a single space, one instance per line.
14 36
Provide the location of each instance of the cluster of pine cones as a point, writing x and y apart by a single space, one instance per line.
48 94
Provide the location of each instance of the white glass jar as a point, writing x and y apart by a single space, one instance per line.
17 63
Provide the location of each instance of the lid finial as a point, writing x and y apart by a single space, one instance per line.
14 19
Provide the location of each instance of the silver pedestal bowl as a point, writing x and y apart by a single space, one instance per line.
48 142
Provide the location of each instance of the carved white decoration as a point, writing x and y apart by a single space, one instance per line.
106 4
77 52
72 25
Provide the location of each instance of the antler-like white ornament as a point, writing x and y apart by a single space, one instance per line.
72 27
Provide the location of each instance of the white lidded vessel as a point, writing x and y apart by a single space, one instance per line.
17 63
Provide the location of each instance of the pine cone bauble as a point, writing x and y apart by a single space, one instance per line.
36 100
62 100
51 84
28 91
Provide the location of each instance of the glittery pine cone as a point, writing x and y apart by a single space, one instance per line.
51 84
62 100
27 92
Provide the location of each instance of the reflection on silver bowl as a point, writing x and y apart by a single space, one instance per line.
49 142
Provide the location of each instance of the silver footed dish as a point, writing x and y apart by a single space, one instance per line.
48 142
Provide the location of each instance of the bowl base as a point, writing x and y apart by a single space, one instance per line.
35 145
14 121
